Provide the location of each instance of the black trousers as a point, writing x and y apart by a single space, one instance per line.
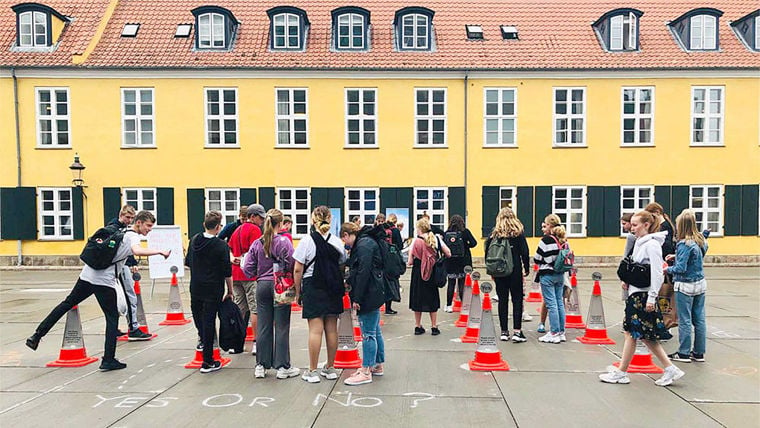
459 283
106 299
506 286
204 316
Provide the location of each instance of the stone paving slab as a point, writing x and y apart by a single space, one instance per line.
732 414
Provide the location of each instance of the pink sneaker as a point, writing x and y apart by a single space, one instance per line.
377 370
359 378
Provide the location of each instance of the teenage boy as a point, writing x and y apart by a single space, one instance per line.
104 285
210 270
243 287
229 228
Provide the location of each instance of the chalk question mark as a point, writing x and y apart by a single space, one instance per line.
417 400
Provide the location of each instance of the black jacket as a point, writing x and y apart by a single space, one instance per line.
519 253
457 264
209 263
366 270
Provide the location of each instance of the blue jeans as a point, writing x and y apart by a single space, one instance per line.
691 312
373 347
552 286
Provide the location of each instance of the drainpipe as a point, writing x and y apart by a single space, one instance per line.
19 259
466 81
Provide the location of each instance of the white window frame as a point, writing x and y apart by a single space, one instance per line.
430 118
637 116
288 20
291 117
221 118
757 32
139 202
362 212
216 36
618 34
418 21
223 200
361 117
706 209
138 118
54 117
57 213
703 40
568 116
293 211
353 20
511 201
430 210
33 33
639 200
569 210
706 116
500 116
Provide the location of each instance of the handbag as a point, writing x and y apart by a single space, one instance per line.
666 300
439 275
634 273
284 291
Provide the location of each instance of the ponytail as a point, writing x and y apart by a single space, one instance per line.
321 219
271 227
423 226
557 229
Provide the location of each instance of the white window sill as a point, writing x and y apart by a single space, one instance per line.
500 146
137 147
362 146
635 145
222 146
54 147
291 146
569 146
51 238
707 145
431 146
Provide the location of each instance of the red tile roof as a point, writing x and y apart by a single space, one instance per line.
553 35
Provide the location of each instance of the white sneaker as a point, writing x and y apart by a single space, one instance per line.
283 373
311 376
562 337
329 373
526 317
448 309
549 338
615 376
504 336
259 372
253 348
495 297
672 373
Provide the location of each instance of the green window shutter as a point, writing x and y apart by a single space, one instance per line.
266 197
595 210
335 196
662 197
490 209
732 215
749 209
196 210
320 196
165 205
543 207
679 201
388 198
525 208
248 196
111 203
612 211
18 213
77 208
457 202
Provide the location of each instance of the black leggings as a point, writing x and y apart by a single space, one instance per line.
459 282
512 284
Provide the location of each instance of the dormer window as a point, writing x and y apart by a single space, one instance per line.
413 27
474 32
697 30
618 30
37 25
288 26
215 28
748 30
350 28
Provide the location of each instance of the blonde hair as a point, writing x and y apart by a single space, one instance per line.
349 228
647 217
686 228
321 218
287 220
392 219
557 229
507 224
423 226
127 209
271 227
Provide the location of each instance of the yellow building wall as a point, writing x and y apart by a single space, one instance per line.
7 134
181 161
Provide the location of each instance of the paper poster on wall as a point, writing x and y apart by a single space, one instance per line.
336 221
162 238
403 217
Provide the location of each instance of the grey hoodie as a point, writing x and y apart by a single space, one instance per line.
648 250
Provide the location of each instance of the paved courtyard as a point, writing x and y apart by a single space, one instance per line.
426 382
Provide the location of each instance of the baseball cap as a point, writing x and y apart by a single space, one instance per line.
256 209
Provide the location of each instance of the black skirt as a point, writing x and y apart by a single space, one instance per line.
642 324
319 303
423 295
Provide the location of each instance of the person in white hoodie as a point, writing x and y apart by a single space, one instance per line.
643 320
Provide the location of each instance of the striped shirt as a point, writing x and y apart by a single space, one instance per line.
546 254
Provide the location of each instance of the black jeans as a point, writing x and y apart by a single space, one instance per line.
512 284
106 299
204 317
459 282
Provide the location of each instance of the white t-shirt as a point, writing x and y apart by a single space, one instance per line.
307 250
107 276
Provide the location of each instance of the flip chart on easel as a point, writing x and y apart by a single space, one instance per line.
163 238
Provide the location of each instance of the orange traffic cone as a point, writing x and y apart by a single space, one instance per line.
642 361
295 307
73 353
573 317
596 330
382 311
487 355
535 289
473 323
141 320
464 314
174 313
250 335
347 356
357 329
457 302
198 360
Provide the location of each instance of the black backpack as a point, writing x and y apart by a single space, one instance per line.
101 247
393 263
232 327
455 243
327 275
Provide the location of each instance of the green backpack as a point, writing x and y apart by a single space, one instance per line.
499 261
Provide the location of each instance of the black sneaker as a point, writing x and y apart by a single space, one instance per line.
199 346
109 365
518 337
390 312
33 341
419 330
504 336
208 368
700 358
119 333
675 356
434 331
138 334
235 351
